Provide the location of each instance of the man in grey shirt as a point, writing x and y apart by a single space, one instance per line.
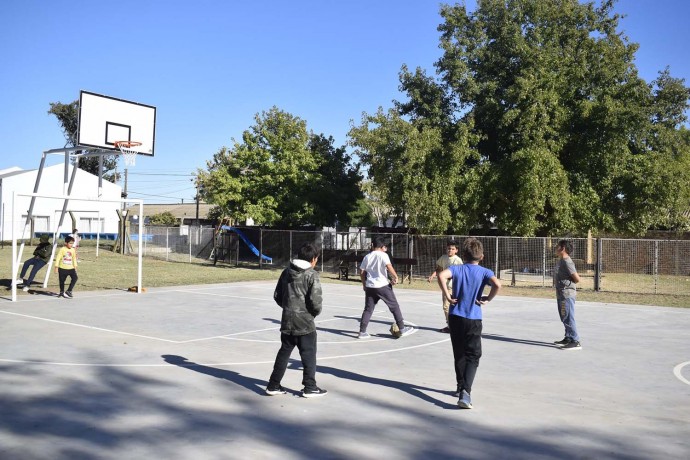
564 278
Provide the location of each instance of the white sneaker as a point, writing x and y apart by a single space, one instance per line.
25 289
465 402
363 335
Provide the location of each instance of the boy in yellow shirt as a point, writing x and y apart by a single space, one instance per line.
442 263
66 265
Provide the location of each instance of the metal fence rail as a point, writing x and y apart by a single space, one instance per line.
604 264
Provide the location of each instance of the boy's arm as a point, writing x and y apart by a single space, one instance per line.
391 270
278 293
315 297
442 280
574 277
57 259
435 273
363 277
495 287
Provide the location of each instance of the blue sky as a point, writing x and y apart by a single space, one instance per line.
209 66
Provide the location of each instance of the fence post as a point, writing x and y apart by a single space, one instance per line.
321 251
597 267
189 240
167 244
498 274
543 264
261 246
656 266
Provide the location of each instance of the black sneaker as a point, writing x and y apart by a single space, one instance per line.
572 345
313 392
564 341
62 294
275 391
68 294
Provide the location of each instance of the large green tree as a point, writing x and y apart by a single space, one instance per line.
68 117
552 127
335 194
280 174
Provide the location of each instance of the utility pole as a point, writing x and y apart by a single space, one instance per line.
197 201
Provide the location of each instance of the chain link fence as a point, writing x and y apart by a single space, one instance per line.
604 264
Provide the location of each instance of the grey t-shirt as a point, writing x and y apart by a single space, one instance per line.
565 287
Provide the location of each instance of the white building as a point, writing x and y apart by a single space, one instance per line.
89 216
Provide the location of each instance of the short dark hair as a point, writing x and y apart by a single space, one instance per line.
308 252
453 243
378 242
472 250
69 239
567 245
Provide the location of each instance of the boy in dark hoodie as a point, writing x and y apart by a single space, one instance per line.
39 260
298 293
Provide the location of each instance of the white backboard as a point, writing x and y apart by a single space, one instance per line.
104 120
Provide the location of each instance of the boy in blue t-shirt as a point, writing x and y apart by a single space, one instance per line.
465 315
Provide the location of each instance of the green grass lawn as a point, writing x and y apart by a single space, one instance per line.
115 271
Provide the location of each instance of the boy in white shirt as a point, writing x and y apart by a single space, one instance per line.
374 271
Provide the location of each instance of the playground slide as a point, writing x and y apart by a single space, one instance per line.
247 242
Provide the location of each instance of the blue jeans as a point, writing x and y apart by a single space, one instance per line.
566 311
37 263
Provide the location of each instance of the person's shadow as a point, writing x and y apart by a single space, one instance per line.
414 390
250 383
535 343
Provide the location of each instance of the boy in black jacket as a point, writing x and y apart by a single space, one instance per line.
298 293
39 260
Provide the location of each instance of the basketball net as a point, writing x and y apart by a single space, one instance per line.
128 151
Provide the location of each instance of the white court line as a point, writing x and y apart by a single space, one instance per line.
88 327
321 342
276 328
677 372
354 355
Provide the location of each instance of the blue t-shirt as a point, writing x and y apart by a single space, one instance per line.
468 285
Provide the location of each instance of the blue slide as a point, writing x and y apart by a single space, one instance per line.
247 242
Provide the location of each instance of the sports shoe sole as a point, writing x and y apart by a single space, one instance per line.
313 395
463 405
275 392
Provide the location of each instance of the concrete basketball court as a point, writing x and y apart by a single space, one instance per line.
180 372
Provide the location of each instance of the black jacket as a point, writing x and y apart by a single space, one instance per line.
298 292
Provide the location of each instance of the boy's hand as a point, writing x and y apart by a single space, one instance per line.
451 300
483 300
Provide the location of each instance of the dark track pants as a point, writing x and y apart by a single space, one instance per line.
371 298
306 344
466 337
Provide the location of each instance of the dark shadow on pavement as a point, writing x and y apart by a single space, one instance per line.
522 341
413 390
250 383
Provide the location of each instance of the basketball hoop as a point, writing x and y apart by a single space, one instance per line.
128 151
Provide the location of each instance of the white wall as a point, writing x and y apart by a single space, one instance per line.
47 211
